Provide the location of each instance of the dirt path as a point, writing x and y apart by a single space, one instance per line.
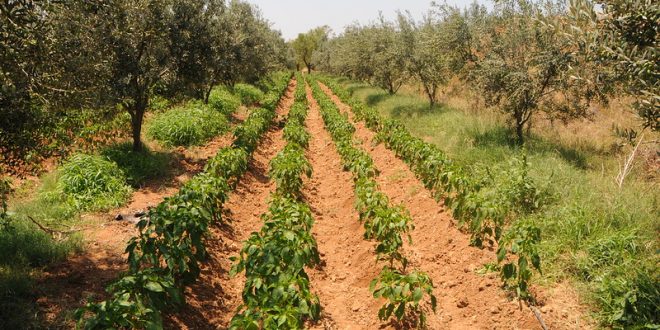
105 239
216 296
465 298
342 282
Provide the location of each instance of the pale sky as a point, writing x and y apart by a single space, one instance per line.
296 16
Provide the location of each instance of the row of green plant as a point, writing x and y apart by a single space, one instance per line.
487 207
165 257
388 225
277 292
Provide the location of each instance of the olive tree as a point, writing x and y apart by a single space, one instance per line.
526 70
388 56
425 51
127 44
194 32
23 84
306 44
621 40
249 47
216 43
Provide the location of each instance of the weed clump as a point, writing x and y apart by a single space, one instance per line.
91 183
191 124
249 94
224 101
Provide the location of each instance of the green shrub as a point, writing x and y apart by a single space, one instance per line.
92 183
630 297
224 101
138 166
191 124
249 94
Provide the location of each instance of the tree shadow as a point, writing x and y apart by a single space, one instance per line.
417 109
66 286
374 99
140 167
534 144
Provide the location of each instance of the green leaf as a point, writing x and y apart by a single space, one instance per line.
509 271
154 286
400 311
417 294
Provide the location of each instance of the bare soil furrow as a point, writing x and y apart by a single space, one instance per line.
348 261
465 299
65 285
213 300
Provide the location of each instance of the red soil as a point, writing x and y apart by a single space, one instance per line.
66 286
213 300
465 298
348 261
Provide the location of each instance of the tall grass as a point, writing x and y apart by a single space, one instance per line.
249 94
191 124
222 100
601 237
91 183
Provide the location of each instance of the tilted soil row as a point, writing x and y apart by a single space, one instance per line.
465 298
65 285
349 262
216 296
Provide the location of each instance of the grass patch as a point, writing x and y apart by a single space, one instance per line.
248 94
191 124
224 101
46 207
138 167
86 183
93 182
599 236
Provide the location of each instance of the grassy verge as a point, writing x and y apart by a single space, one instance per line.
87 182
600 237
25 251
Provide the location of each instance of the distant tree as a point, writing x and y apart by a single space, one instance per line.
291 60
527 68
352 53
621 40
249 47
425 51
458 32
307 43
389 60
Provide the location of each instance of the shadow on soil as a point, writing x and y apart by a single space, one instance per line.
49 300
416 110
